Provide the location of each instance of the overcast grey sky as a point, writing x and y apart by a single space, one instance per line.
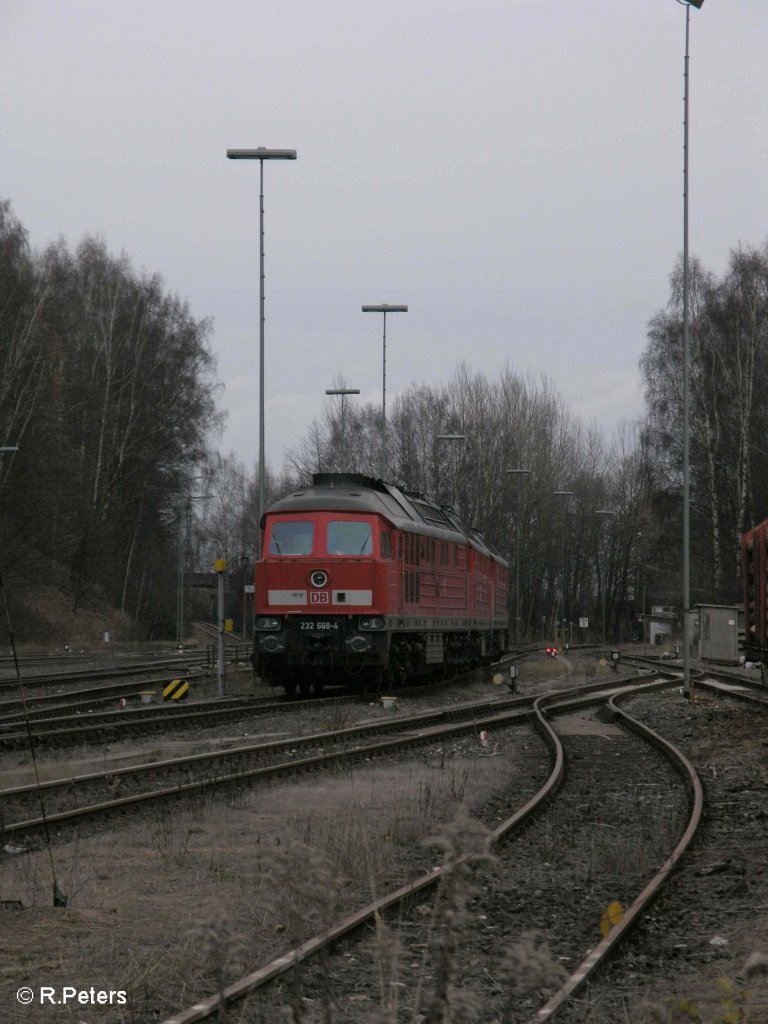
510 169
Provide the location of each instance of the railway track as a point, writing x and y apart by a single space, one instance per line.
95 795
44 705
507 712
55 727
181 663
51 729
550 881
596 761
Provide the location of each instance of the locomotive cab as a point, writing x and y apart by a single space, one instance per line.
318 586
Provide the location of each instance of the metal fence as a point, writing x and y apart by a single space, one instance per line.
233 653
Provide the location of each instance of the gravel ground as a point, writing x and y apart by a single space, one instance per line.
168 908
165 908
691 954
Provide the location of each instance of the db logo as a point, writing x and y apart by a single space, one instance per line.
319 597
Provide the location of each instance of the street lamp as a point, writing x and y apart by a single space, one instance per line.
454 439
605 512
519 474
566 495
185 514
244 563
342 392
261 154
384 307
686 374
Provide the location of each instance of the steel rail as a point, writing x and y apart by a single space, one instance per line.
597 957
269 972
45 703
427 730
120 689
744 690
423 718
282 964
428 734
114 671
46 719
98 723
124 722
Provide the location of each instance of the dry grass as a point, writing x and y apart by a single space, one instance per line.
140 894
48 613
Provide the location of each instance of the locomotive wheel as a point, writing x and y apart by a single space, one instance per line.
317 687
304 686
373 682
290 687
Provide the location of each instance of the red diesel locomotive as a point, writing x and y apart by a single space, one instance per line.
363 584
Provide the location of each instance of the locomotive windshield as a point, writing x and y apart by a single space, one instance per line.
291 538
346 537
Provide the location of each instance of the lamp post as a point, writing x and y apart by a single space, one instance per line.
566 495
261 154
244 563
183 507
185 515
342 393
384 308
454 439
686 374
604 512
519 474
220 567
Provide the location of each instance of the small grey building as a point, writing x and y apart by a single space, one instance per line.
719 633
659 626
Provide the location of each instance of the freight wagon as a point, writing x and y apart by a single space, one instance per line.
754 576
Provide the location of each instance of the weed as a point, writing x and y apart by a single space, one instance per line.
301 888
170 838
733 1003
340 717
238 799
464 843
527 968
222 949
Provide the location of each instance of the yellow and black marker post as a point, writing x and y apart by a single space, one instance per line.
177 689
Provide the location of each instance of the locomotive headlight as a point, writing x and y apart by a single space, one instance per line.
266 623
376 622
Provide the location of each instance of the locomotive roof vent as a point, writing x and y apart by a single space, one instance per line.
334 480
